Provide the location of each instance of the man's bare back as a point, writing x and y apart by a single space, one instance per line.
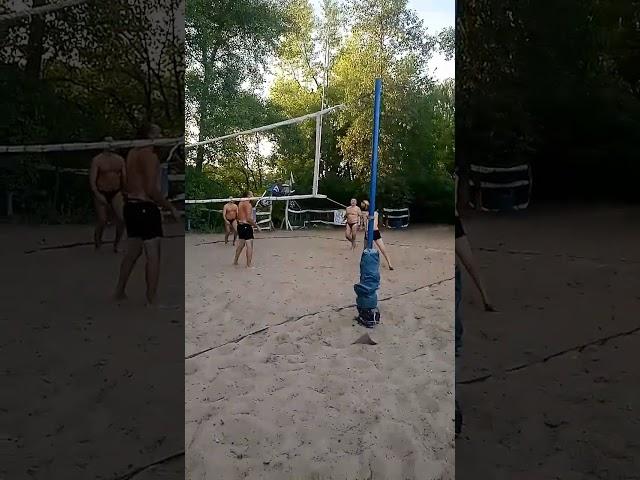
245 212
142 166
375 221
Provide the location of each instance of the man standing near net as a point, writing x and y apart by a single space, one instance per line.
107 178
245 228
142 215
230 215
352 215
377 238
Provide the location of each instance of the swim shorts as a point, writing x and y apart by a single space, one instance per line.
143 220
245 231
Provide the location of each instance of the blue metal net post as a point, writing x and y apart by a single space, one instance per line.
366 290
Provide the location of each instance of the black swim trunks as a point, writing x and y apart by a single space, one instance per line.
376 235
143 220
459 228
245 231
230 221
109 195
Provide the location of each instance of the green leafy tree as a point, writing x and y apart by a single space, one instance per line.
228 44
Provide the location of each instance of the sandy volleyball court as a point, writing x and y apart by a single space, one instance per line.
275 387
74 409
565 282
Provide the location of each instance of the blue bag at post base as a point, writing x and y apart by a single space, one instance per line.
366 290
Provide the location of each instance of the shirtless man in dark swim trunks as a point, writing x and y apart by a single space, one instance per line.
465 258
142 215
352 215
230 216
107 178
377 238
245 228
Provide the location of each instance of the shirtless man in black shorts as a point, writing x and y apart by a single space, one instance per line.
465 258
230 216
352 215
142 215
245 228
377 238
107 178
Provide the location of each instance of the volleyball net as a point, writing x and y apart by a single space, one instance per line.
53 179
297 213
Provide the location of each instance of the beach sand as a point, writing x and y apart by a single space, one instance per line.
564 280
84 379
277 389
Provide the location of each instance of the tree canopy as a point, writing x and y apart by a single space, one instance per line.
557 86
285 47
81 73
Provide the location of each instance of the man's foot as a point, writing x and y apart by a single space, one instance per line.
488 307
120 296
390 267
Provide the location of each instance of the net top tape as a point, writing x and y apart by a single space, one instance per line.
70 147
240 199
264 128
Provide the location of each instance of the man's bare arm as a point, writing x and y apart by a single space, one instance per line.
248 213
253 222
93 180
464 253
151 166
123 174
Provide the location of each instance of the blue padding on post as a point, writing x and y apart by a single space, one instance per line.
366 290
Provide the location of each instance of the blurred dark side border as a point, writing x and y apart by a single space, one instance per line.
548 121
90 388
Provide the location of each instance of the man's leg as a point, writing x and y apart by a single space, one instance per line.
383 251
347 232
227 231
234 225
249 252
101 214
134 250
239 250
354 236
152 270
458 346
458 314
118 205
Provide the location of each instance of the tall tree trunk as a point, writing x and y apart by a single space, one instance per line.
202 110
35 46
